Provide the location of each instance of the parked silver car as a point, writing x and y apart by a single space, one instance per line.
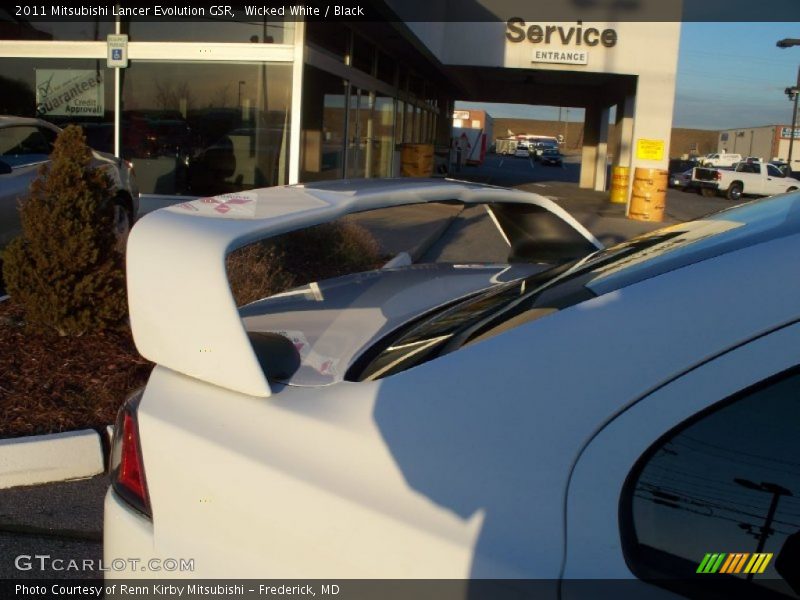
27 143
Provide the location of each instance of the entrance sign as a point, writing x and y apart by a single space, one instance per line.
649 149
70 92
562 57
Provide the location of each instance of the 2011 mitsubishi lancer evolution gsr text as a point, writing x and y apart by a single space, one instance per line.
580 414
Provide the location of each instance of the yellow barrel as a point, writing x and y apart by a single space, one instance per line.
649 195
416 160
620 177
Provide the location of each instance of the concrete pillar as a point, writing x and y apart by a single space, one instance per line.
591 136
624 132
655 99
601 160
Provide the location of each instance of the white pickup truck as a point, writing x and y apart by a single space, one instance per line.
746 178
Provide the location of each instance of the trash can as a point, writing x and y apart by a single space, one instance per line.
649 195
416 160
620 178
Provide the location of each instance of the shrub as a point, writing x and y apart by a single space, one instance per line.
65 268
256 271
299 257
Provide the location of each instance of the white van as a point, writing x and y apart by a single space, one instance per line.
717 159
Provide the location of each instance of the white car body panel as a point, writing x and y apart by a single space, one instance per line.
458 467
594 548
194 327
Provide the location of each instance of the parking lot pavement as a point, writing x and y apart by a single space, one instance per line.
18 560
472 237
63 520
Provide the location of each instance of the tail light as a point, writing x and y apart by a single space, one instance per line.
717 175
127 468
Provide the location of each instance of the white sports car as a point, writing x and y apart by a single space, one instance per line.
584 417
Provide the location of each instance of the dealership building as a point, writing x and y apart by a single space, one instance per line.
767 142
214 104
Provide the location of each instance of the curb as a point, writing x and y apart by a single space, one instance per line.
48 458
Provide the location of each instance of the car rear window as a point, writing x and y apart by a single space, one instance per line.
566 285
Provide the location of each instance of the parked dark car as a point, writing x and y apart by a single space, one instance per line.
551 156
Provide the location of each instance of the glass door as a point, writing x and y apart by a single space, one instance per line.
359 133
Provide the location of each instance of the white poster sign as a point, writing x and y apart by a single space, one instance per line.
70 92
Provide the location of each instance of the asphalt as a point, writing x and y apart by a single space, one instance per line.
65 519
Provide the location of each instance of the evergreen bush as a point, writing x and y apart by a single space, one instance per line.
66 269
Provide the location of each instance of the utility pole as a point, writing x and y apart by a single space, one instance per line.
783 44
792 92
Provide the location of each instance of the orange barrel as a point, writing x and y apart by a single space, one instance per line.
416 160
620 178
648 198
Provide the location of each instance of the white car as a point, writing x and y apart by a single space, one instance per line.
522 150
584 418
720 159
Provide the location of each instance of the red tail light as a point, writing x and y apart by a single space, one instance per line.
717 175
127 467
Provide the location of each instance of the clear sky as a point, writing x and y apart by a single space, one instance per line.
729 75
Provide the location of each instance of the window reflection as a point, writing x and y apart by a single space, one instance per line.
205 129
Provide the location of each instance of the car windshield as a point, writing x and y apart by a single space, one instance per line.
534 297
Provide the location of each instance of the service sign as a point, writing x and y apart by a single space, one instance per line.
70 93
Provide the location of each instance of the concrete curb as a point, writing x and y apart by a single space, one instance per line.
39 459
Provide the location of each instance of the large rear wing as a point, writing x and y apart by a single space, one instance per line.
183 314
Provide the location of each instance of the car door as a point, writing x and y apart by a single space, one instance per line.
704 466
775 181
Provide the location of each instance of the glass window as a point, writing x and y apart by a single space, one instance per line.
212 29
363 55
400 120
63 92
774 171
382 136
387 68
25 144
206 128
332 40
323 123
716 494
13 27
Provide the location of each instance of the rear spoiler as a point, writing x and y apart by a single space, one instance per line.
182 311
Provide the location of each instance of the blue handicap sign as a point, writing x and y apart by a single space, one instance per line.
116 53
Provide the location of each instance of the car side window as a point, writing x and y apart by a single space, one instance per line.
774 171
713 507
23 145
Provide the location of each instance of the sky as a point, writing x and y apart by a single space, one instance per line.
729 75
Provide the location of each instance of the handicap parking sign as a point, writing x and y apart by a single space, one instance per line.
117 51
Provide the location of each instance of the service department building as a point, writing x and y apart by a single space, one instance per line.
213 104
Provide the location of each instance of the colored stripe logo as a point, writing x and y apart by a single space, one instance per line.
734 563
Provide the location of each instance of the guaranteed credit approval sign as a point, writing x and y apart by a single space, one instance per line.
70 92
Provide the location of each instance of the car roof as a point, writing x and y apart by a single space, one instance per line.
11 121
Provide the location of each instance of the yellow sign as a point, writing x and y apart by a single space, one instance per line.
649 149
